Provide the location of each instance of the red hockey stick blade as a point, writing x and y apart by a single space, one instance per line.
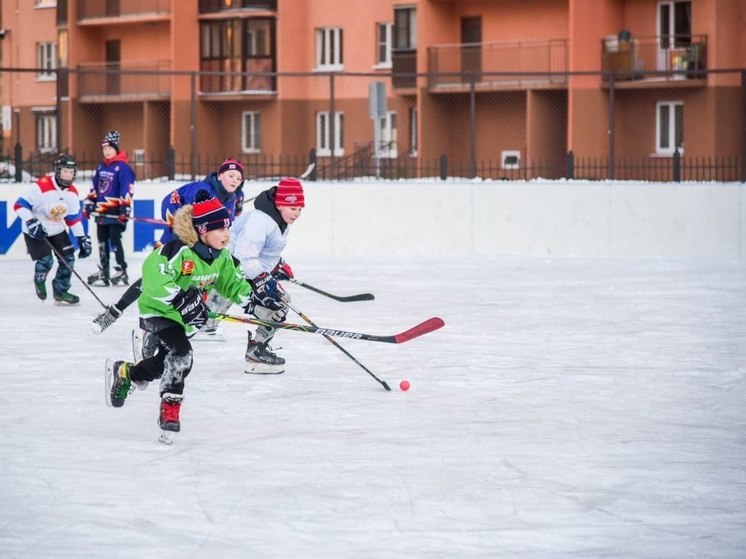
430 325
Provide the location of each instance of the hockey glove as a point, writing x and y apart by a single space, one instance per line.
283 271
85 246
191 306
89 207
124 214
36 229
266 292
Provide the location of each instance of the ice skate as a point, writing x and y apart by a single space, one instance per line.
41 289
260 360
168 420
65 298
137 354
100 278
105 319
120 277
211 332
117 383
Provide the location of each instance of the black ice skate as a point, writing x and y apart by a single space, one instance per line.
64 298
261 361
120 277
100 278
168 419
105 319
118 384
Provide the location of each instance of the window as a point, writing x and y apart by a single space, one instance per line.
405 29
387 134
323 134
413 138
384 33
243 50
669 127
250 137
46 132
46 60
329 48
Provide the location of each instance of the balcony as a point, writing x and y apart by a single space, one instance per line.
122 11
654 59
404 68
497 65
103 81
216 6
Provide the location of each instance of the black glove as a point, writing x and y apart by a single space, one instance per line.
85 246
191 306
283 271
89 207
266 292
36 229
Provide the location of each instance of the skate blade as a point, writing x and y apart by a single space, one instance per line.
263 369
137 345
167 437
65 304
108 381
217 336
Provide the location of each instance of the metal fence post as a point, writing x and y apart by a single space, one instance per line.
570 173
443 166
18 156
473 125
171 162
612 120
193 126
332 127
312 160
743 125
676 162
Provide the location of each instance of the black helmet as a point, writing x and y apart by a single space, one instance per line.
64 161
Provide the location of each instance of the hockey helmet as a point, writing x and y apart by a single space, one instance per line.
64 161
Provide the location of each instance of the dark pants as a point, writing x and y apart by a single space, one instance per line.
110 233
41 254
172 362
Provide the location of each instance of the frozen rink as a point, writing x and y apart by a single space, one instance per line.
569 408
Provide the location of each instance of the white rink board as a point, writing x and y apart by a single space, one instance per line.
534 219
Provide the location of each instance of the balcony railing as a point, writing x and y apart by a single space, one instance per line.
676 57
492 63
151 80
97 9
213 6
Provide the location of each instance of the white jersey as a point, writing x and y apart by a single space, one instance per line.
256 240
56 208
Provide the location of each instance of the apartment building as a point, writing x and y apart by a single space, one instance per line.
465 81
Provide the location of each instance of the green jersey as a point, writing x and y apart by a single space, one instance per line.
174 267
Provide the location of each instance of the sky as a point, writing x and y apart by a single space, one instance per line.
568 408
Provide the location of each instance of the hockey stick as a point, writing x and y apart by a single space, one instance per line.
308 171
420 329
340 348
61 258
131 218
340 298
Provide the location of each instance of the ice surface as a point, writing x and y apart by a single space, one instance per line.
569 408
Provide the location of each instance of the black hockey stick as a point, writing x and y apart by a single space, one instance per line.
61 258
420 329
340 298
340 348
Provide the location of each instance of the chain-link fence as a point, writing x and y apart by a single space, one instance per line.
680 124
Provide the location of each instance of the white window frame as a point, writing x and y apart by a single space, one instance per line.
46 60
323 148
329 48
384 44
671 107
46 132
251 132
414 140
387 132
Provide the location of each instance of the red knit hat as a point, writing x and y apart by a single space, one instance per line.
230 164
290 193
208 213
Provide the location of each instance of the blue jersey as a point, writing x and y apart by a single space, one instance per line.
113 188
185 195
